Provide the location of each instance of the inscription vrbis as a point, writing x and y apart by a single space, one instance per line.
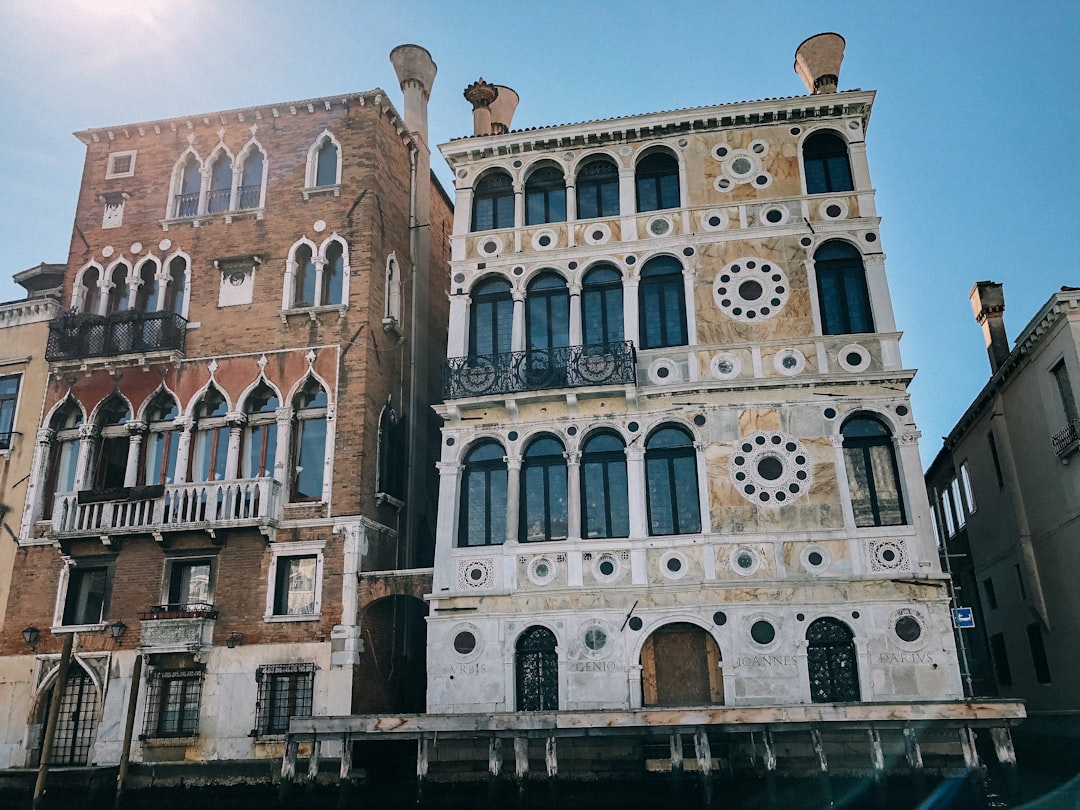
467 669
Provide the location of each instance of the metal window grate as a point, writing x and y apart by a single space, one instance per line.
285 690
77 721
172 703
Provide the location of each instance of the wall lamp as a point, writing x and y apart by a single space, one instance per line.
30 635
117 628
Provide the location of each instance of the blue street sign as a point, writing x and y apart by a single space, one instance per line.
963 618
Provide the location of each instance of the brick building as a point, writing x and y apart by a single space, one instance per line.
236 423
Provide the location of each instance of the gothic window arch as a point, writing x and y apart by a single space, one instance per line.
545 196
259 447
832 662
250 192
597 189
843 296
119 293
178 271
825 163
210 443
87 294
186 186
219 192
543 491
662 303
332 281
111 451
146 294
390 481
392 309
656 178
491 317
872 472
309 441
605 505
672 482
316 277
493 202
482 516
301 276
536 663
324 162
158 464
62 473
602 306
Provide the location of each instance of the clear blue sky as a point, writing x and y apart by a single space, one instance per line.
974 142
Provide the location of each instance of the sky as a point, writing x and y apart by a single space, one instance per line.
974 140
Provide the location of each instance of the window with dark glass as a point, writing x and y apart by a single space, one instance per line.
217 198
118 295
87 595
110 463
211 440
991 594
249 195
309 442
91 292
260 433
598 189
873 477
333 275
842 292
672 482
545 196
602 306
543 492
189 584
294 586
186 203
326 163
493 202
172 703
605 505
994 458
657 180
1000 656
662 303
1038 653
304 282
162 439
9 397
175 292
482 514
1065 391
491 318
63 454
547 327
146 297
391 466
825 161
285 690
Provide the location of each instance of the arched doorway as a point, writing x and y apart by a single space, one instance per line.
537 666
392 674
680 666
76 724
832 662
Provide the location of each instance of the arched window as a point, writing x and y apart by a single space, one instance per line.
483 496
537 669
825 161
221 176
119 294
260 433
873 477
309 442
249 195
842 293
491 317
547 312
832 662
63 454
333 275
211 441
186 201
146 297
91 291
657 180
662 304
602 306
493 202
605 506
672 482
326 164
391 462
598 189
545 196
110 463
159 447
392 309
176 289
304 280
543 492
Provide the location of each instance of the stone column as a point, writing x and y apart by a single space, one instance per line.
282 447
513 497
630 310
446 528
628 203
517 335
236 422
348 632
877 287
88 435
34 507
635 483
320 265
183 448
136 435
573 494
703 487
457 344
577 328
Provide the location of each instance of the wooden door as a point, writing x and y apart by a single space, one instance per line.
680 666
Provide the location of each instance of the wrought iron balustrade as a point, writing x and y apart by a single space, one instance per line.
186 205
217 201
248 196
73 337
540 369
1067 439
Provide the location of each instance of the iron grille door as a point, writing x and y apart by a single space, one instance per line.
76 724
537 671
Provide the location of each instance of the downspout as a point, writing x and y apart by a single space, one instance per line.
412 490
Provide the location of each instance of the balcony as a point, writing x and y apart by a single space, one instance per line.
75 337
208 505
177 628
1067 440
540 369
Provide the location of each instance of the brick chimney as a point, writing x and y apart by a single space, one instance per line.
817 61
988 304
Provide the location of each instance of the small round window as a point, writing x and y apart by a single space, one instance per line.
595 638
908 628
763 632
464 642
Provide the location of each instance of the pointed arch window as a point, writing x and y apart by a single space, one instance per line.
309 442
598 189
327 163
842 293
211 442
392 310
872 472
333 275
602 306
146 298
186 200
391 462
482 514
545 196
159 447
110 463
662 303
176 286
63 454
119 293
543 492
249 193
605 506
221 181
672 483
90 291
491 318
304 279
493 202
260 434
825 162
657 181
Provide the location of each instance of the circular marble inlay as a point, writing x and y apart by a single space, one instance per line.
165 244
108 251
751 289
136 248
319 225
770 468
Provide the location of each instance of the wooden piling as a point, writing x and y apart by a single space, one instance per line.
54 713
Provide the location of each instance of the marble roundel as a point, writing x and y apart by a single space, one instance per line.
770 468
751 289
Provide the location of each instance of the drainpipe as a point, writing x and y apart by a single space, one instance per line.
54 714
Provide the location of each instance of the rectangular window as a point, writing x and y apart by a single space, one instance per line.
947 513
997 463
294 586
172 703
87 595
1020 581
285 690
121 164
189 585
958 501
1065 391
9 396
1001 659
1038 653
969 494
991 595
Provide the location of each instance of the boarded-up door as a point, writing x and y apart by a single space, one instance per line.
680 666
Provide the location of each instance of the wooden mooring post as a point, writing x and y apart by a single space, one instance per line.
422 755
521 764
288 770
676 761
823 768
495 757
704 762
769 758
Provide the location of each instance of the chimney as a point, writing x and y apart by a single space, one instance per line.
416 73
481 95
988 304
817 61
502 109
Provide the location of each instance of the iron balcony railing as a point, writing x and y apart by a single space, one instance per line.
1067 439
540 369
186 205
73 337
248 196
